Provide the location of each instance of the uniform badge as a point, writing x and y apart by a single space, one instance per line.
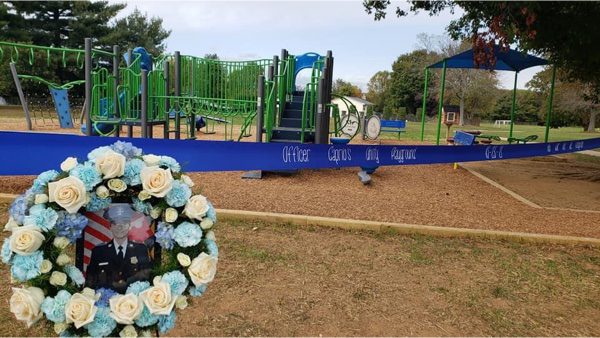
134 260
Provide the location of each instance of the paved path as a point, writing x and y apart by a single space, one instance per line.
590 152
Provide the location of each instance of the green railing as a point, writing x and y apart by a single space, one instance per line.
64 53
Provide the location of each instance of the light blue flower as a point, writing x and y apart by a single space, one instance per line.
41 182
103 324
179 194
211 247
42 217
197 291
177 281
98 152
96 203
6 251
133 168
140 206
164 235
126 149
146 318
187 234
88 174
19 206
211 213
54 308
170 163
166 323
75 274
70 225
137 287
105 295
27 267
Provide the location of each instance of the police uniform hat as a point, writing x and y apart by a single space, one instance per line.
119 213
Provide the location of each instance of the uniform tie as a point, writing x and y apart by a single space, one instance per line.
120 253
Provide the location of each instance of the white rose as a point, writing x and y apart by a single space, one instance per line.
26 240
143 195
58 278
203 269
146 333
25 304
61 242
117 185
156 181
196 207
151 160
171 215
128 331
111 164
181 302
68 164
184 259
125 309
206 224
63 260
155 212
80 310
156 280
69 193
90 293
211 235
102 192
40 198
158 299
11 224
187 180
46 266
60 327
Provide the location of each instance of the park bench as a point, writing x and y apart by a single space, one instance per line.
522 140
393 126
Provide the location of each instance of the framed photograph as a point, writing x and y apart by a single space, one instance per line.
118 248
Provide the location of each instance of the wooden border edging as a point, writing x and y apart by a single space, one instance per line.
401 228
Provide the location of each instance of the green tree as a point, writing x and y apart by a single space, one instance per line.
378 90
528 106
343 88
138 30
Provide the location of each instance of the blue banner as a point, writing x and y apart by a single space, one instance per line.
25 153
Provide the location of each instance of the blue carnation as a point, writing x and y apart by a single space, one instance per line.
176 281
98 152
19 206
42 217
105 295
170 163
141 206
6 251
137 287
166 323
70 225
41 182
103 324
187 234
75 274
146 318
197 291
27 267
179 194
126 149
96 203
164 235
88 174
132 172
211 247
54 308
211 213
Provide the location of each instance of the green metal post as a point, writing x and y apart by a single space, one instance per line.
424 104
514 105
550 99
441 103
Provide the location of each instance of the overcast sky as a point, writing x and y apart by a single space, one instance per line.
245 30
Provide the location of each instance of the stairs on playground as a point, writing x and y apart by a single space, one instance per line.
290 126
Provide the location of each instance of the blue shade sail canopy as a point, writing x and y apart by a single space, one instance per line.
505 60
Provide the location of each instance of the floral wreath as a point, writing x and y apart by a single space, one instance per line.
48 219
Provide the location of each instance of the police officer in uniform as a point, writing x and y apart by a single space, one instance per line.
119 262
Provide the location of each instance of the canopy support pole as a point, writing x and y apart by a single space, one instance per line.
512 109
424 104
550 99
441 103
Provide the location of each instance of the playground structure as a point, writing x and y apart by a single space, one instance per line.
184 93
